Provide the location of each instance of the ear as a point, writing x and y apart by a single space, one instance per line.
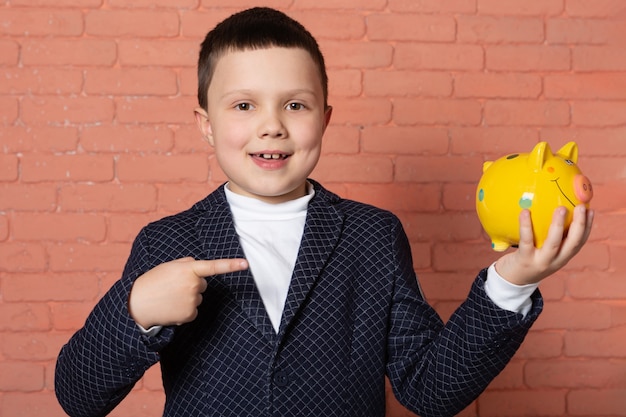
539 155
327 114
204 124
569 151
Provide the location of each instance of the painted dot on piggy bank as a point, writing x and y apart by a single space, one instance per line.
539 181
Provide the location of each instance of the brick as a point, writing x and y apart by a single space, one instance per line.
76 257
135 23
131 81
445 286
591 141
70 315
188 81
361 111
462 256
600 86
345 168
9 52
608 226
341 139
163 168
33 22
157 52
499 29
25 197
438 57
598 8
33 404
600 285
397 197
584 31
606 196
194 23
405 140
9 168
123 228
330 4
32 346
40 168
498 85
188 139
344 83
443 227
575 315
492 142
586 402
607 343
8 110
156 110
542 345
63 110
604 170
53 51
407 83
618 257
430 6
520 7
522 403
599 113
57 3
59 227
411 27
356 54
44 139
173 198
332 24
127 138
4 228
425 169
512 377
41 81
16 317
527 58
459 196
109 198
527 113
411 111
599 58
132 4
574 373
22 257
21 377
35 287
422 255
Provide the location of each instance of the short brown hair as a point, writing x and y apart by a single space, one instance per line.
256 28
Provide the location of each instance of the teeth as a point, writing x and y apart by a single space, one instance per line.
271 156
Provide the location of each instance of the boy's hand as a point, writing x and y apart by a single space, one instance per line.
170 293
529 265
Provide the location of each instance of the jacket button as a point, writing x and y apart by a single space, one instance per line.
281 378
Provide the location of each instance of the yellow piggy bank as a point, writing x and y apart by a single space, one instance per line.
539 181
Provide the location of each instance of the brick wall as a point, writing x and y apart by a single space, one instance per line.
97 138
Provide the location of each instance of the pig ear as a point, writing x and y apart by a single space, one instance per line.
569 151
486 165
539 155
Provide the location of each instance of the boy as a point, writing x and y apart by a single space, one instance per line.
273 296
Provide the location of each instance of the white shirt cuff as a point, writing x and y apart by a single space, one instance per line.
506 295
151 332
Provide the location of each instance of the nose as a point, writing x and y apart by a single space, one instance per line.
582 188
272 126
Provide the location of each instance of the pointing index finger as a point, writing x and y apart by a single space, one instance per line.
207 268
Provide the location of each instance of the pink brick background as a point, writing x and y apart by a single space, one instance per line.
97 138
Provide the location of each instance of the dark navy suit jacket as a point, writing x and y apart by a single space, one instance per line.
354 313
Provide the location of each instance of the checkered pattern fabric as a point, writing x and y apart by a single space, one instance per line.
354 313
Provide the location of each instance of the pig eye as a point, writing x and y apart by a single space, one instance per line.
513 156
569 162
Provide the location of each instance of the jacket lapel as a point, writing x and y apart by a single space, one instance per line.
321 234
220 241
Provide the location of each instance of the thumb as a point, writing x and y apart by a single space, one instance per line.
205 268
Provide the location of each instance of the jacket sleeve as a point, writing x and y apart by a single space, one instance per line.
103 360
436 369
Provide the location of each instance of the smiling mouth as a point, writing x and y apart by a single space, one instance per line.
270 156
556 181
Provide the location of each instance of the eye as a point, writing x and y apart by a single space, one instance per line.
295 106
243 106
569 162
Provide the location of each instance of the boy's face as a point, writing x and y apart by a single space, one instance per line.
265 119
